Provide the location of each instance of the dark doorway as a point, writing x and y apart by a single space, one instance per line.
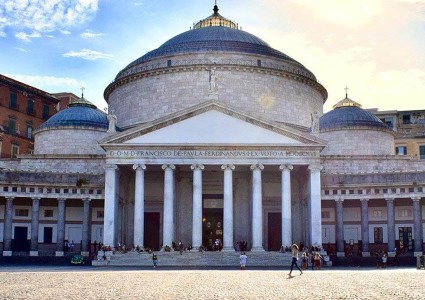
151 230
274 231
212 221
20 241
48 234
405 238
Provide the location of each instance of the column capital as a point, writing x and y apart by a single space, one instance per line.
228 167
389 199
257 167
61 199
139 167
172 167
339 200
197 167
364 200
87 199
35 198
10 198
110 167
286 167
315 167
416 198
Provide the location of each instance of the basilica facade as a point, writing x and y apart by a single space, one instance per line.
213 136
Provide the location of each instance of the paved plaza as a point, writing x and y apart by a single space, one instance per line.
89 283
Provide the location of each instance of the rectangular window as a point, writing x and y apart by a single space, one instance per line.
45 111
326 215
378 233
30 106
401 150
48 213
19 212
422 152
29 131
15 151
406 119
12 126
377 213
405 213
13 101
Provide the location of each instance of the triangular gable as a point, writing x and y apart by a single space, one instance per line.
212 124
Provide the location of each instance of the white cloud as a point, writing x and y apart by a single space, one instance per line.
88 54
65 32
40 16
25 37
21 49
47 82
88 34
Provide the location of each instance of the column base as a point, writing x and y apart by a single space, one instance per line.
7 253
59 253
33 253
257 249
340 254
228 249
85 253
366 254
420 253
391 254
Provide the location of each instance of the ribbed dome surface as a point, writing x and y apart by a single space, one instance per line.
214 38
80 115
349 117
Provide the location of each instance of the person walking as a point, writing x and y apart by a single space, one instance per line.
155 260
295 259
242 259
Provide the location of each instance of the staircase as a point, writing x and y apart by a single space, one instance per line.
199 259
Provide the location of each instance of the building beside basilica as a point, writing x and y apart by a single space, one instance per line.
213 136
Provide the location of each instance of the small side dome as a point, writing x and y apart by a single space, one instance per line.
80 113
349 114
74 130
351 130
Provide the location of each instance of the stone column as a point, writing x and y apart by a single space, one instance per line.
391 227
417 226
35 217
85 249
60 228
7 234
139 206
286 206
197 206
168 228
257 208
315 206
110 222
365 228
228 208
339 203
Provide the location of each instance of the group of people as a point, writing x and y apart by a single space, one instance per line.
381 259
242 246
68 246
312 258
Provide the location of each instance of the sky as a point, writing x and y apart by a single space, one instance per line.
376 48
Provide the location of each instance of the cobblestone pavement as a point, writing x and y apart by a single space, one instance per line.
88 283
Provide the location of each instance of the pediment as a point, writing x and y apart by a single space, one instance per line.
212 124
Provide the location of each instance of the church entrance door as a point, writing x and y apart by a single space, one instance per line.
151 230
405 237
20 241
274 231
212 223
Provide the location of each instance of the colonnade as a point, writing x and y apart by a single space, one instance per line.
391 233
111 205
35 212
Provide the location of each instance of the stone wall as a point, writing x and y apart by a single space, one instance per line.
358 141
69 141
273 94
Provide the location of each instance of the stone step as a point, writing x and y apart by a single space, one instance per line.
201 259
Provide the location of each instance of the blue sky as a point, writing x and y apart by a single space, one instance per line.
375 47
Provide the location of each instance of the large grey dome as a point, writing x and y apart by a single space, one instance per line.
213 38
